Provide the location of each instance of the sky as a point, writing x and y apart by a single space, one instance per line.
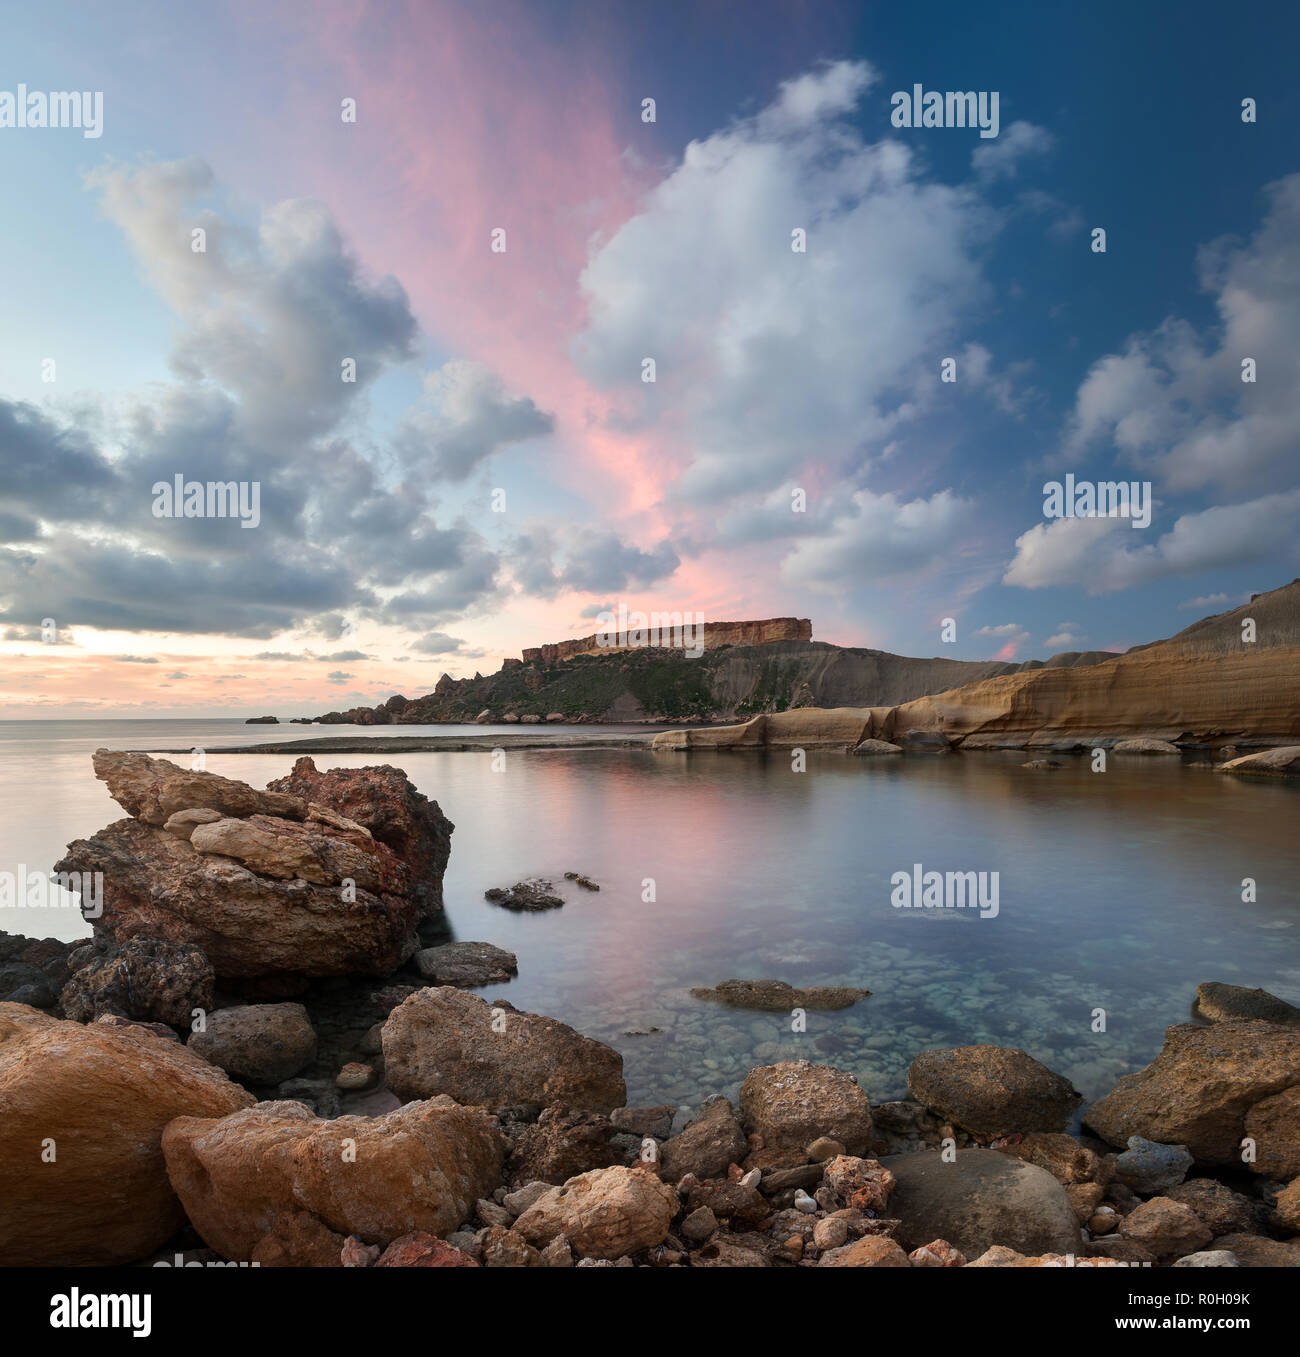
441 246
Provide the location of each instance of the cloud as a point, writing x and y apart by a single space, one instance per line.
1001 157
1004 629
1208 601
474 418
134 659
1099 554
338 676
1067 636
1173 401
880 537
767 357
546 563
438 643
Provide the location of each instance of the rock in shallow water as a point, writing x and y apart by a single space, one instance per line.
793 1103
466 965
778 997
1216 1002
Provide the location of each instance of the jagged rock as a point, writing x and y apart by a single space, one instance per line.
152 790
708 1146
992 1090
421 1249
525 896
144 979
607 1213
1201 1088
792 1103
466 965
1149 1168
561 1145
978 1199
937 1253
99 1096
384 801
1165 1227
775 996
276 885
257 1043
1222 1209
243 1177
869 1251
445 1040
1217 1002
859 1184
1061 1155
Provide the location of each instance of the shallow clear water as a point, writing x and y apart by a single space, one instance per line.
1117 891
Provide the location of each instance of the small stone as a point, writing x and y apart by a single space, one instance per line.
1166 1227
1210 1258
557 1253
355 1252
490 1213
700 1224
938 1253
1150 1168
803 1202
824 1148
521 1199
831 1232
354 1075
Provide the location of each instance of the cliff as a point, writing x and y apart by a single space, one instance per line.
727 681
710 636
1205 685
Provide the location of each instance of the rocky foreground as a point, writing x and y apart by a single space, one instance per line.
164 1098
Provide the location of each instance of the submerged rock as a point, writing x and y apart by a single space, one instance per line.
776 996
529 895
99 1097
276 1185
1216 1002
1279 762
1140 745
445 1040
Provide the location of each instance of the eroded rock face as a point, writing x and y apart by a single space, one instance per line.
560 1145
144 979
274 884
444 1040
99 1096
383 801
603 1214
991 1090
1217 1002
246 1179
257 1043
980 1199
793 1103
1202 1087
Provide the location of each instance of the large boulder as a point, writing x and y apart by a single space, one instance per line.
445 1040
466 965
82 1112
263 883
978 1199
991 1090
257 1043
275 1184
385 802
794 1103
607 1213
1217 1002
1202 1088
145 979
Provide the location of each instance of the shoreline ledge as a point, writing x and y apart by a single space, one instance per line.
426 744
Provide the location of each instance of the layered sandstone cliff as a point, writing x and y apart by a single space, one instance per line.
1210 684
710 635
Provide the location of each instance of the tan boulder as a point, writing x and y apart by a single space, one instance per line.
1201 1088
1273 1125
1166 1227
792 1103
606 1213
153 790
244 1179
873 1250
445 1040
992 1090
1217 1002
96 1099
1278 762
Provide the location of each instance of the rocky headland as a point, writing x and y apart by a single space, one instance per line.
346 1101
1207 687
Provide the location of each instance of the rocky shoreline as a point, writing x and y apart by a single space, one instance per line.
269 1054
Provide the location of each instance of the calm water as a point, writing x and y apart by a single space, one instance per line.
1118 891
